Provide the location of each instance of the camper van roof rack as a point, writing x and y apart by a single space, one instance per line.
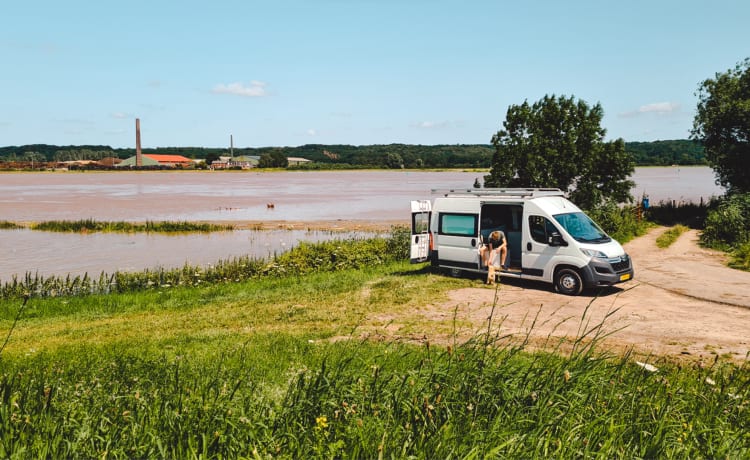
511 192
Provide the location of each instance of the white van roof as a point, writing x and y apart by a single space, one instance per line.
501 192
551 200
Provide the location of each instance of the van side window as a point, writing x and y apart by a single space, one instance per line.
458 224
541 229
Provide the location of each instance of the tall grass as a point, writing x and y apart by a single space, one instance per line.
266 397
90 225
8 225
669 236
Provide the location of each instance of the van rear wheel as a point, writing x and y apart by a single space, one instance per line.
568 281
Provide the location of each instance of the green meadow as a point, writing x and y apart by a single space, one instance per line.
292 359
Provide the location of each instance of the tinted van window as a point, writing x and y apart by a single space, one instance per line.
458 224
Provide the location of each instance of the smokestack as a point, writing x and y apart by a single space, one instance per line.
138 156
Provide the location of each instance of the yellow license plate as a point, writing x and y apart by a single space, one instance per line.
625 277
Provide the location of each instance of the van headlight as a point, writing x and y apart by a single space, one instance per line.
594 253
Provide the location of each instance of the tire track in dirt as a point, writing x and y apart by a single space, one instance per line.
683 303
687 269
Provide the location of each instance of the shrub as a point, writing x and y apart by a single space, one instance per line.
728 225
399 243
621 223
670 213
741 257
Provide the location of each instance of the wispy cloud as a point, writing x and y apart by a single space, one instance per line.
312 132
431 124
254 89
659 108
120 115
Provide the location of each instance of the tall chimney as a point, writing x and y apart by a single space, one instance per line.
138 155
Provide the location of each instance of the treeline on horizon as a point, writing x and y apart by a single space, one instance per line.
656 153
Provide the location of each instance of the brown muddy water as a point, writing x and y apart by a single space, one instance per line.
222 196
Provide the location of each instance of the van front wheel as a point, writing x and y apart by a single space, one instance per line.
568 281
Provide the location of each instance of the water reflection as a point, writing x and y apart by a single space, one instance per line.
62 253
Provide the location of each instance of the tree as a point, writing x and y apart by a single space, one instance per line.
394 161
722 125
274 159
559 142
211 157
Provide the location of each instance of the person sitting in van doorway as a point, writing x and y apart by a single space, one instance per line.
494 254
495 242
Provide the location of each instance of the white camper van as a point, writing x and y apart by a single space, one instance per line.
548 238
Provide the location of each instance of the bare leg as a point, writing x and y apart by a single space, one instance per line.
484 255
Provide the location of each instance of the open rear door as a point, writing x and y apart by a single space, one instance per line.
420 231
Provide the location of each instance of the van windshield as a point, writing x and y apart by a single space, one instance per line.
582 228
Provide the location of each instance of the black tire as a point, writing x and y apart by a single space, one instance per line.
455 272
568 281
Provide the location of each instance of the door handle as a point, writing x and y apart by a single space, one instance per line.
528 246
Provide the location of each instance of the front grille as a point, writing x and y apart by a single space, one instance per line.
622 265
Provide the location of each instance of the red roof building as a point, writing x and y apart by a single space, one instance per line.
170 160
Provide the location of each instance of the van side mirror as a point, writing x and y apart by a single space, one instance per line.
556 239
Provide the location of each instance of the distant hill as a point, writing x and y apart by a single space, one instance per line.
664 153
679 152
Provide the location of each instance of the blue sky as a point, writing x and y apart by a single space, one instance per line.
286 73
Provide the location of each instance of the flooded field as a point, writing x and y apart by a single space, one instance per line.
62 253
351 197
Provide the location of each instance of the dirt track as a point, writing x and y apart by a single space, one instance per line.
683 303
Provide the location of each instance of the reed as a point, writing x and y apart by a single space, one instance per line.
90 225
8 225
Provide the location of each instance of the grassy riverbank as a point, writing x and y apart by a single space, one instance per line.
276 366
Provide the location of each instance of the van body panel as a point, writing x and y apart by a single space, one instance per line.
455 232
539 226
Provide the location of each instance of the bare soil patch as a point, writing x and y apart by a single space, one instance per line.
683 303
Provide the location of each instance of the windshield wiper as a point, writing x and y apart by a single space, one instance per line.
601 239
